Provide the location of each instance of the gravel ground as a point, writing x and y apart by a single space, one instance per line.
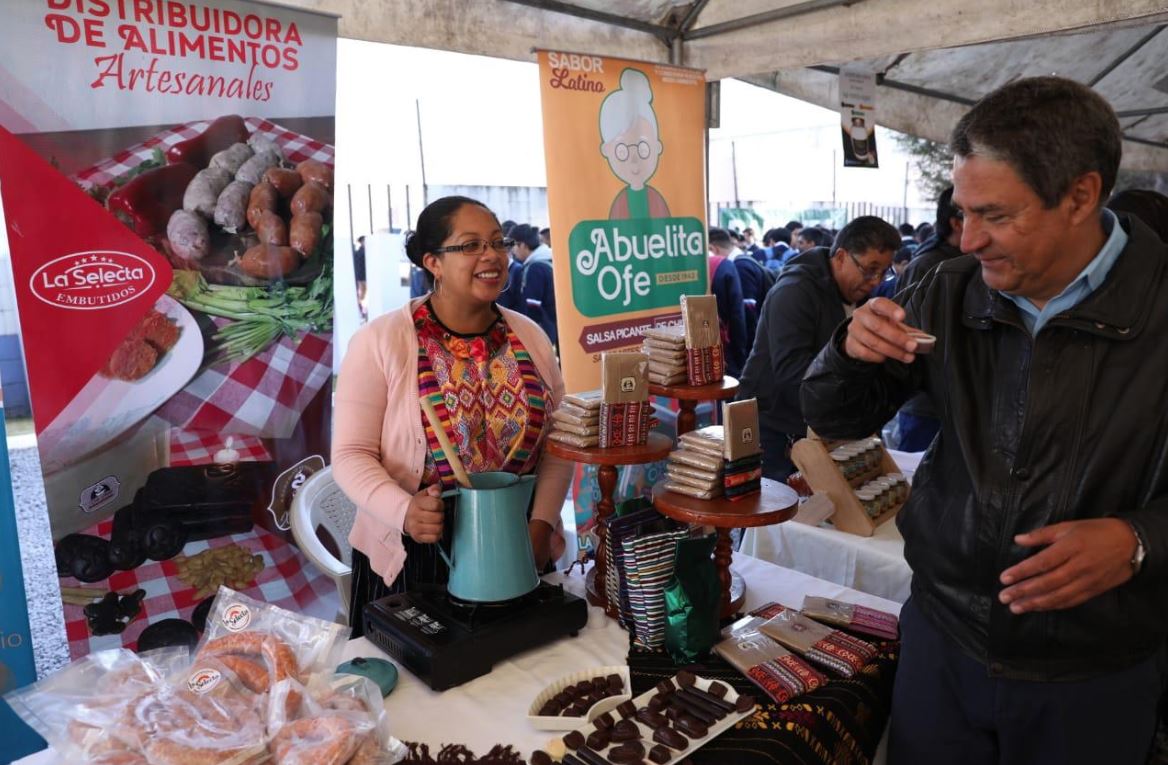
36 555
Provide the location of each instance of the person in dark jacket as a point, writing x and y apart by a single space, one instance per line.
726 286
1037 527
917 422
814 293
536 283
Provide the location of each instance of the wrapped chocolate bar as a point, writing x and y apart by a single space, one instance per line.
624 407
743 472
708 440
819 643
583 442
779 673
699 460
861 619
560 417
588 400
694 492
697 483
705 362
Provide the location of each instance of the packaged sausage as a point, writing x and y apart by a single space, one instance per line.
77 708
338 719
265 644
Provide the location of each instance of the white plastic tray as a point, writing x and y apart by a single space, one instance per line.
556 747
560 722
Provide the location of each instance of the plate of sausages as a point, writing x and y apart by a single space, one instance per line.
229 203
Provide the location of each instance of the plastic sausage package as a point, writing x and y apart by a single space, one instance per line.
259 689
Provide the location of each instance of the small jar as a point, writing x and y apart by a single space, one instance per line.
867 501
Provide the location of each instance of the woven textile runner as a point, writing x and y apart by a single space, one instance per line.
704 366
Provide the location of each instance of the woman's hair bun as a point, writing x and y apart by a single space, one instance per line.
414 248
636 84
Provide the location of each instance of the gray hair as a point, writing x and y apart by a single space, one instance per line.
1050 130
622 107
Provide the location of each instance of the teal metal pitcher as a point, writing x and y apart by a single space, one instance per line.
490 555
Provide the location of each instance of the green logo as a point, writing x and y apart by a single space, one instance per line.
631 265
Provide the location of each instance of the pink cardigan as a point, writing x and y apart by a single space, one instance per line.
379 445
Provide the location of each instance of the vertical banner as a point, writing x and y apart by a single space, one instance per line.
857 92
625 149
17 668
166 172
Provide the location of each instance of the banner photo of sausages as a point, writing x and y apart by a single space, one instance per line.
166 172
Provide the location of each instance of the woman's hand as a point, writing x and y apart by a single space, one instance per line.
544 540
424 515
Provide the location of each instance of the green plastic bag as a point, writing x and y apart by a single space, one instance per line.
692 598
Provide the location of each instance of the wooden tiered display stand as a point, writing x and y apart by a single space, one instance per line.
655 449
813 458
688 397
775 503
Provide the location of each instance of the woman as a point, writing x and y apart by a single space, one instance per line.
491 374
632 145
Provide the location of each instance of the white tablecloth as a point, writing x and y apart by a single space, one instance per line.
874 564
493 709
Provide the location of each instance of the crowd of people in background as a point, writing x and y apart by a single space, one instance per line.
819 274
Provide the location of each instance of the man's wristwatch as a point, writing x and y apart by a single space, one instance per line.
1137 561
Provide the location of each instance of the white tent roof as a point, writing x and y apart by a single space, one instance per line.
933 57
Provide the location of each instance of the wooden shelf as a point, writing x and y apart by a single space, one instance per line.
813 458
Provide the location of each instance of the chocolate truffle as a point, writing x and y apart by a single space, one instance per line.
574 739
660 754
691 726
625 730
632 752
745 703
652 719
670 737
604 721
599 738
717 690
627 709
540 757
685 678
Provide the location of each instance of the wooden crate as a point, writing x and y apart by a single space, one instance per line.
813 458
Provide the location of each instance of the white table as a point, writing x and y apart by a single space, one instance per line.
493 709
874 564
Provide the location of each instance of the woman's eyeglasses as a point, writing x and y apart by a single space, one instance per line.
477 247
623 149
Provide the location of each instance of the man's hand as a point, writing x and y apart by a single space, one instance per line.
424 515
1082 559
876 333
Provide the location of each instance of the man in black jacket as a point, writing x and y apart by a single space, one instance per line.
917 421
813 294
1037 529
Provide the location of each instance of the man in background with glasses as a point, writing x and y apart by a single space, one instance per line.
535 279
814 293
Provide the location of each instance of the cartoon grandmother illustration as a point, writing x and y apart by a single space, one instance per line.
630 143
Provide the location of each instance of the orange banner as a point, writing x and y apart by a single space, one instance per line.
625 148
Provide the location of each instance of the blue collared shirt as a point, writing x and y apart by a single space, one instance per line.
1088 280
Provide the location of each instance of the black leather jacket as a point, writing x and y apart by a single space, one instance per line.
1072 424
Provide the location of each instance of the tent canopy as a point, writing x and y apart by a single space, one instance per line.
932 59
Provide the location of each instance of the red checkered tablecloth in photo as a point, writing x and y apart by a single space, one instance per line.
287 580
187 448
296 147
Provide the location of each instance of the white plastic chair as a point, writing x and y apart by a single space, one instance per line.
320 504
